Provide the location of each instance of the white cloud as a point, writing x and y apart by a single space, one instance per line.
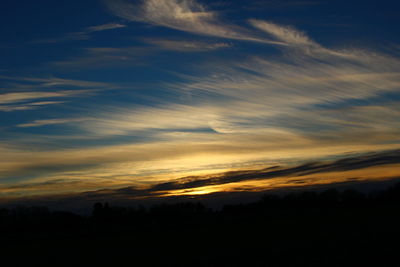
260 95
285 34
184 15
105 27
27 93
10 98
28 106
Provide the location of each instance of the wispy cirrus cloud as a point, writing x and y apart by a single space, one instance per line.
193 17
271 94
98 57
12 98
187 46
27 93
285 34
105 27
311 102
306 94
53 82
84 34
187 15
38 123
28 106
32 100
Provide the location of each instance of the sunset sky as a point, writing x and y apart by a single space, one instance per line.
172 97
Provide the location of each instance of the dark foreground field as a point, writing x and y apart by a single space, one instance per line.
303 229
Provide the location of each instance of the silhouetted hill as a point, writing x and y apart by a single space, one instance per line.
328 228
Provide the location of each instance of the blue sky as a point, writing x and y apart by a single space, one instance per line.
109 94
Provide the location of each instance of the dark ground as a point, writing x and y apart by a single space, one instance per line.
329 228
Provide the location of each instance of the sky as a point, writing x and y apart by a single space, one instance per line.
189 97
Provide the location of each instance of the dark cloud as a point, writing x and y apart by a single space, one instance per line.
157 192
192 182
353 163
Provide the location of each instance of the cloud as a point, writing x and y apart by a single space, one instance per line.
308 103
38 123
122 121
28 106
27 93
10 98
254 111
187 46
304 174
82 35
183 153
346 164
184 15
285 34
305 95
100 57
291 86
257 110
105 27
54 82
73 36
32 100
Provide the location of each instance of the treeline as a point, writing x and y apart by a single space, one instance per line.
271 205
329 228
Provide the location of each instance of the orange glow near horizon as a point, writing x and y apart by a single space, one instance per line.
379 173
